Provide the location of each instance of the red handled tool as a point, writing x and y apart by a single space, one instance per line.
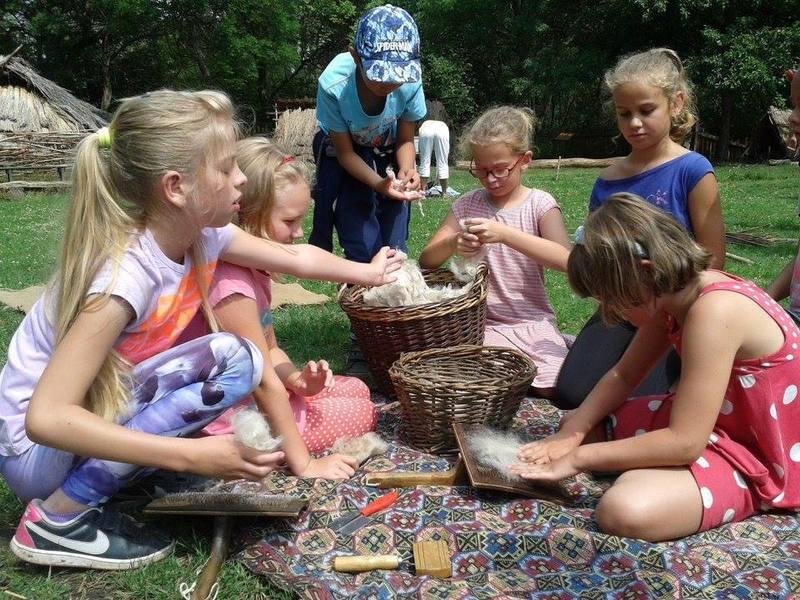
354 520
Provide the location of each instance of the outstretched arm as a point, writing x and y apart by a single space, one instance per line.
648 345
712 335
58 417
308 262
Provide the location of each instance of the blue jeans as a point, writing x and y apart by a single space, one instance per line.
364 220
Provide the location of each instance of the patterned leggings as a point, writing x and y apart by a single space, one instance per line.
174 393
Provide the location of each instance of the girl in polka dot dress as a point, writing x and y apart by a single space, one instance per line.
726 443
309 408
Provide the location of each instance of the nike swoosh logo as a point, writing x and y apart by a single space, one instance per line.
98 546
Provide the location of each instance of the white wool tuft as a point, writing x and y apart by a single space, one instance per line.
494 450
361 447
251 429
410 289
466 267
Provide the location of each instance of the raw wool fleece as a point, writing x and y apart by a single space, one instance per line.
466 267
495 451
410 288
361 447
251 429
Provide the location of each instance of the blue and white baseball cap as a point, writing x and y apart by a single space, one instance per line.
387 41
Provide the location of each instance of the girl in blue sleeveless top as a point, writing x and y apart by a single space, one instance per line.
652 100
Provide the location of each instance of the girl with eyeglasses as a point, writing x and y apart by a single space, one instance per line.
518 231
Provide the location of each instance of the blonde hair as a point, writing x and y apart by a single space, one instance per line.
606 263
507 125
112 199
268 169
661 68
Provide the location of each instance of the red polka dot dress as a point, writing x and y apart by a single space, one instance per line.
752 460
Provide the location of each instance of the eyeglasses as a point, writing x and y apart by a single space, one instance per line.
498 172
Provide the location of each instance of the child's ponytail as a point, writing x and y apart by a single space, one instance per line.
97 229
509 125
115 175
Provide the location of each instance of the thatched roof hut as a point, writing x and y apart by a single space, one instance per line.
768 140
32 103
295 130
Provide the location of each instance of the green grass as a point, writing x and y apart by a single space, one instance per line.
761 199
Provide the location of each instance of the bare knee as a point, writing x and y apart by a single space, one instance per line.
622 514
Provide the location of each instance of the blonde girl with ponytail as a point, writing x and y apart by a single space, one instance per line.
517 231
95 390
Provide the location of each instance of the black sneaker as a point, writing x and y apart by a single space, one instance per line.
95 539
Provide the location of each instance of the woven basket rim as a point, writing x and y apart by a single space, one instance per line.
476 294
404 368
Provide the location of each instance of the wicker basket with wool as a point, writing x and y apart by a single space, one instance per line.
383 333
478 385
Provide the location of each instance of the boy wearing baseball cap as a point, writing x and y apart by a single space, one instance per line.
368 102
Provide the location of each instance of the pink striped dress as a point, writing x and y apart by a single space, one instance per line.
519 314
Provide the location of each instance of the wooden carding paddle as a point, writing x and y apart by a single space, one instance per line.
490 480
223 506
403 479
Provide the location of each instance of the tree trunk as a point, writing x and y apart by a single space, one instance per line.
725 126
106 100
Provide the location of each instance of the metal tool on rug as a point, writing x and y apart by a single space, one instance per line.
354 520
429 558
222 505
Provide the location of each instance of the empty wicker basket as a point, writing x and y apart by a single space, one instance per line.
480 385
386 332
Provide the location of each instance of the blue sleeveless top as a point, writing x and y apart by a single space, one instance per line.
666 186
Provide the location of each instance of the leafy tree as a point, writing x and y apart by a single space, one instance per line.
92 45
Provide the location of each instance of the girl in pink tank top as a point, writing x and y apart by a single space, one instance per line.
309 408
725 443
519 230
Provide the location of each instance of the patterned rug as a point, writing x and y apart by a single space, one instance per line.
505 547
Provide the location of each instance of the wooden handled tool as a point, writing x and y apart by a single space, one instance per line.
402 479
357 564
430 558
223 506
223 527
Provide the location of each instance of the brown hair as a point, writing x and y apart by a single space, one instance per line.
606 260
507 125
661 68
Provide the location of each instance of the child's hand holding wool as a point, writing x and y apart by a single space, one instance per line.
400 189
465 243
487 231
